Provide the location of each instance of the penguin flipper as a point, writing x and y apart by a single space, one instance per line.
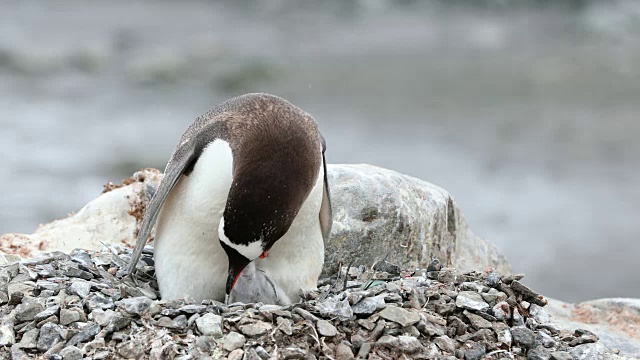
180 161
326 213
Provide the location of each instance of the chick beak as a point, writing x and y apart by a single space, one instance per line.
237 263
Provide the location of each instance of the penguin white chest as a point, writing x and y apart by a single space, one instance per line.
188 256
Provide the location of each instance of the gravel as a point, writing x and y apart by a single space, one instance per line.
84 307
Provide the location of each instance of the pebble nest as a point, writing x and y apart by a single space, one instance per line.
81 305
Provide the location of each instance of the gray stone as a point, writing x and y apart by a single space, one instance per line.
29 339
474 351
523 336
477 321
538 353
86 334
233 340
255 329
292 352
407 344
50 334
325 328
344 352
561 355
588 351
542 338
48 312
399 315
68 316
539 314
235 355
332 307
71 353
210 324
471 300
98 301
501 310
517 319
7 334
80 288
445 343
28 311
285 325
368 305
390 209
135 305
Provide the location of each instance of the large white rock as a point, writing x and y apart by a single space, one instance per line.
616 321
112 218
379 212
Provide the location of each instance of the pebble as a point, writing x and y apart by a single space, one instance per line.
523 336
399 315
80 306
471 300
255 329
210 324
71 353
233 341
368 306
49 335
325 328
28 311
68 316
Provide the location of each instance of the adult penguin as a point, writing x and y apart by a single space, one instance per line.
246 183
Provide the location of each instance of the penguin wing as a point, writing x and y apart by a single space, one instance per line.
182 158
326 214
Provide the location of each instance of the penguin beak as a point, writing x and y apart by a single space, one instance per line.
237 263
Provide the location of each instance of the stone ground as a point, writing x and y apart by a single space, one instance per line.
81 305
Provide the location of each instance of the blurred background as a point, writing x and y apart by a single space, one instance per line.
526 111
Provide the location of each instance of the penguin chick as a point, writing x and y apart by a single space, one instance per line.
246 183
253 286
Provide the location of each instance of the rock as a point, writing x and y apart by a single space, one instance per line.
538 353
28 311
292 352
98 301
474 351
50 334
609 319
68 316
80 288
325 328
502 310
71 353
256 329
389 209
87 333
48 312
111 218
399 315
29 339
236 355
337 308
210 325
477 321
407 344
7 335
285 325
233 341
523 336
561 355
343 352
471 300
136 305
445 343
368 306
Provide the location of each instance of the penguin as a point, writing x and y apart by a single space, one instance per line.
246 184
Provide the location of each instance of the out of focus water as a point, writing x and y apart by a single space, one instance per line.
529 116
